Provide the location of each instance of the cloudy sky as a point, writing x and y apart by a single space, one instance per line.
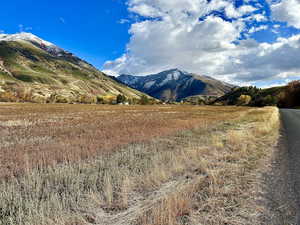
243 41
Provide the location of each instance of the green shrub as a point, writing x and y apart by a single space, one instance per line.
100 100
144 100
121 99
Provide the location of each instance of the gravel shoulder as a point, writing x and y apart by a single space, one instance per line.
291 127
277 198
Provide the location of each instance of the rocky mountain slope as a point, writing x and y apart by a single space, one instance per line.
175 85
35 70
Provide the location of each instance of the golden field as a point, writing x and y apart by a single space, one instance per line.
154 165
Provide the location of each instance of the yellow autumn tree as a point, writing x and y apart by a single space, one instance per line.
244 100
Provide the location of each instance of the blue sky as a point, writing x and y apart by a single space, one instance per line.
90 29
238 41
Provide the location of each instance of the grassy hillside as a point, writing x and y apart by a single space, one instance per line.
30 73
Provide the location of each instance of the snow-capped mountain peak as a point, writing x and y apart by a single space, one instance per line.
176 84
29 37
25 37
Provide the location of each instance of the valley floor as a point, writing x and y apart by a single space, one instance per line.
139 165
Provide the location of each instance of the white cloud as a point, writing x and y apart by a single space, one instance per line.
256 29
287 11
158 44
233 12
245 9
268 61
123 21
276 26
258 17
172 36
146 10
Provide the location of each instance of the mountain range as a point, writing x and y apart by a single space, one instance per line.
176 85
32 69
35 70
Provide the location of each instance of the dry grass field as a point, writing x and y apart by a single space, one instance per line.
140 165
38 135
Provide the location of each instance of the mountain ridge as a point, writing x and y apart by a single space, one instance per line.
51 74
175 85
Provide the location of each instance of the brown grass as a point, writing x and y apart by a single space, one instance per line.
187 165
228 194
37 135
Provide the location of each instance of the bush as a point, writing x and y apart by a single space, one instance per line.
144 100
110 99
270 100
8 97
121 99
88 99
61 99
244 100
100 100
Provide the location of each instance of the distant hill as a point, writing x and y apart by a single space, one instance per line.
32 69
176 85
256 96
